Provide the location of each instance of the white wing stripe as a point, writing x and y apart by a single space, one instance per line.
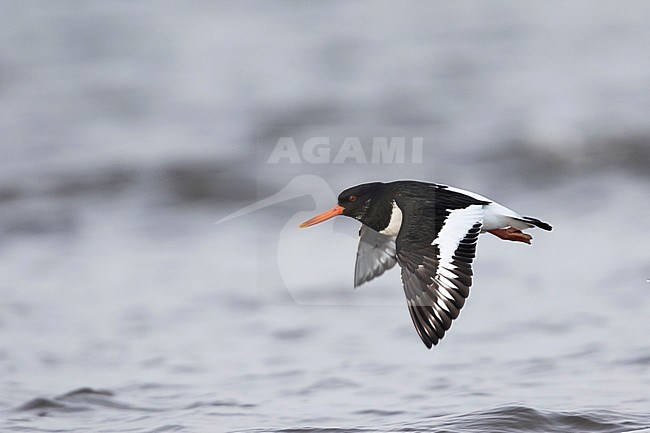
454 230
444 272
445 291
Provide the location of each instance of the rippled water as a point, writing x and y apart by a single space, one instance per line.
127 131
503 419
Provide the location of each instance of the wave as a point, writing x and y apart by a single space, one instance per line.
504 419
78 400
527 419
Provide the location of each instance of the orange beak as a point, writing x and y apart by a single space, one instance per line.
336 210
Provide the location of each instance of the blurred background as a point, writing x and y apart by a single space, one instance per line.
127 129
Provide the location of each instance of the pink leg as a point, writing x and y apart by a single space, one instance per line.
512 234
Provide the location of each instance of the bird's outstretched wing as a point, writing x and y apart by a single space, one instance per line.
437 275
375 255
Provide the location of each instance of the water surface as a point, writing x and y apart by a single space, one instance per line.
128 130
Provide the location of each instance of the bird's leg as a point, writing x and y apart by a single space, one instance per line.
512 234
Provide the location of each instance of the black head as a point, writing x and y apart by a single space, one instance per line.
357 200
366 203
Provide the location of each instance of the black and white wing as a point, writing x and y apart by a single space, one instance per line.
375 255
437 275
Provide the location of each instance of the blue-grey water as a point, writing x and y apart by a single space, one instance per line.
127 129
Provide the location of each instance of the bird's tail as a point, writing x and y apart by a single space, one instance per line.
537 223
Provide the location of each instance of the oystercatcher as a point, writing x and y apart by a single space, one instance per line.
431 231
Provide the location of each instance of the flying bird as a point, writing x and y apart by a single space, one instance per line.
431 231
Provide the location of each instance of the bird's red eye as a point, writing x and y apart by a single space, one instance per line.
352 198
